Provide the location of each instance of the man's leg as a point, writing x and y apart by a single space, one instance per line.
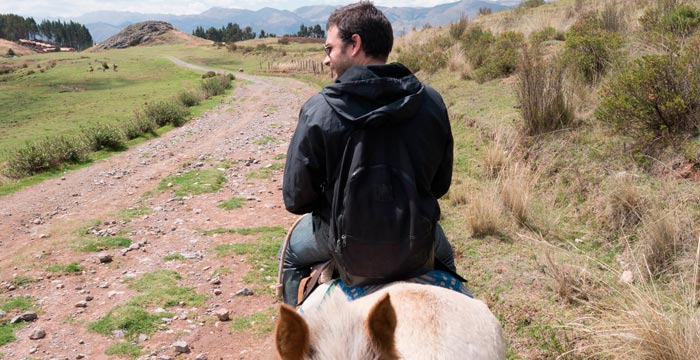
443 249
302 252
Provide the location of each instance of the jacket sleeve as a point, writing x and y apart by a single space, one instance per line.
443 176
303 171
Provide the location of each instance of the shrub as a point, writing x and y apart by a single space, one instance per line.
502 57
546 34
428 56
188 98
457 28
283 41
528 4
590 49
541 94
476 43
658 94
216 85
103 136
483 11
166 112
231 47
10 52
208 74
47 154
625 205
661 243
681 21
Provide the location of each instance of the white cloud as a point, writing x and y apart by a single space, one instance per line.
71 8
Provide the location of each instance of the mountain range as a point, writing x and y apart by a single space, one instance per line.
103 24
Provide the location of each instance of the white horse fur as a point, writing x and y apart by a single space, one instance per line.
400 321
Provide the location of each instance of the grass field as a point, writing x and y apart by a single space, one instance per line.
55 94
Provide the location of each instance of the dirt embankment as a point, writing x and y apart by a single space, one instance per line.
248 132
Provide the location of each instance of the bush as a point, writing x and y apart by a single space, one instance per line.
659 94
47 154
502 57
590 49
139 125
166 112
10 52
540 92
681 21
215 85
457 28
528 4
208 74
612 18
428 56
189 98
546 34
476 43
283 41
104 137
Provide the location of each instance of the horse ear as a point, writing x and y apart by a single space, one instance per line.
381 324
291 335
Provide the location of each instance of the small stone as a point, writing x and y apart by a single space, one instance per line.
627 277
134 246
222 314
81 304
103 286
37 334
181 347
215 281
11 287
201 357
164 357
89 298
244 292
105 258
2 313
33 350
43 236
143 337
118 333
29 316
80 356
217 292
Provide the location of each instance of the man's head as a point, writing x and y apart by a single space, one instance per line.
358 34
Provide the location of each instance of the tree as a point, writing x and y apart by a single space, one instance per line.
10 53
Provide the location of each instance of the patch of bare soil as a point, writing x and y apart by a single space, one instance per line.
39 227
18 49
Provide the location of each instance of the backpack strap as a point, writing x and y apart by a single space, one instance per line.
320 273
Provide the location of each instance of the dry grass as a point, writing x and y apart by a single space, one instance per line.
625 204
661 243
458 195
483 214
570 284
458 63
544 100
516 190
643 323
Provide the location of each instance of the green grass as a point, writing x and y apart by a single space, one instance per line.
132 213
128 318
124 349
264 172
102 243
171 257
193 182
244 231
7 330
234 203
160 289
21 281
262 254
260 324
73 267
266 140
221 271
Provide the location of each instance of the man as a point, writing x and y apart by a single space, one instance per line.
359 40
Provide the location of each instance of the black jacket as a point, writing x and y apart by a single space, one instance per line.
364 94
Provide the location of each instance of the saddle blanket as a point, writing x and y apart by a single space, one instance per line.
436 278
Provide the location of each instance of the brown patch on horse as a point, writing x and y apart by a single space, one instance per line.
380 326
291 335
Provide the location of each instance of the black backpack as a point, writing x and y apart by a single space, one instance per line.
383 221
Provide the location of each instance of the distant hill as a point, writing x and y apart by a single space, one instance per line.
147 33
17 49
103 24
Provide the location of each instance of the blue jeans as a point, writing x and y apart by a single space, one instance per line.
303 251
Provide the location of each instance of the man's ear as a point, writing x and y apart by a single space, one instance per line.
356 45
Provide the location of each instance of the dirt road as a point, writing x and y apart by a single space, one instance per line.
39 226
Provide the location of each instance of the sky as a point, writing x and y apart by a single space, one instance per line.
39 9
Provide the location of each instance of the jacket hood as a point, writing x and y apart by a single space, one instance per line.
374 95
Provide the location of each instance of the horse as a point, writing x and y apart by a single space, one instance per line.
401 320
